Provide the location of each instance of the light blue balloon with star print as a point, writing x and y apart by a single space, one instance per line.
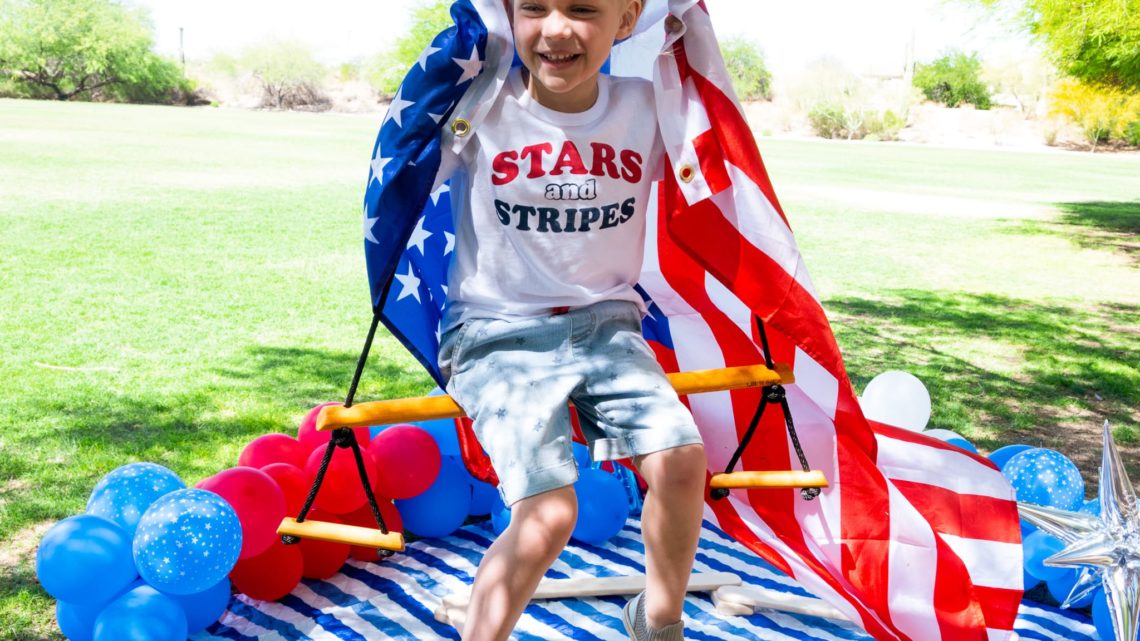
187 541
1045 477
125 493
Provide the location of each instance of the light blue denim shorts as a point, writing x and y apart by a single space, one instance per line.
515 377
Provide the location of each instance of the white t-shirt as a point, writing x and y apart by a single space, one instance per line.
550 207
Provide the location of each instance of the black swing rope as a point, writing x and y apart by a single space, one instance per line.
773 393
344 437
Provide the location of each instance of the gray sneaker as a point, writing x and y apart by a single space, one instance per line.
633 617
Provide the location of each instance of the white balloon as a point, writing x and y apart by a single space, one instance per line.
943 435
897 398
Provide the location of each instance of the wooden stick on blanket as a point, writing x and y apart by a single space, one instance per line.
746 599
453 609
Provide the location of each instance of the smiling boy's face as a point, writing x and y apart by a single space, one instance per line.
563 44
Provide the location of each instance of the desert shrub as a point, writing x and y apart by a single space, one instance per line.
829 120
745 63
1131 134
289 75
1102 113
884 126
953 79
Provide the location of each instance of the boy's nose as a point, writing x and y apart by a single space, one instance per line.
556 26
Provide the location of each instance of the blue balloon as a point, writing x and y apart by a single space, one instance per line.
142 614
124 494
77 620
443 507
962 443
84 559
602 506
187 541
1102 617
443 431
500 515
1091 506
1038 547
1001 456
205 607
1045 477
1029 581
1061 586
482 498
581 455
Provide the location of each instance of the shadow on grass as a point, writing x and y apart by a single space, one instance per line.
1094 225
1002 370
76 435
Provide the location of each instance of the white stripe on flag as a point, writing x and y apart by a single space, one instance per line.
906 461
748 210
913 559
697 348
807 577
991 564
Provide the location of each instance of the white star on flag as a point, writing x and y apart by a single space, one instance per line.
450 243
443 189
424 55
471 66
419 235
409 285
378 163
397 107
369 223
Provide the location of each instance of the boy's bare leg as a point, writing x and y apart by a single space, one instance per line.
511 569
671 527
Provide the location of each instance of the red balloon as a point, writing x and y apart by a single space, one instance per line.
273 448
407 461
310 438
341 491
258 501
294 483
271 574
322 558
363 518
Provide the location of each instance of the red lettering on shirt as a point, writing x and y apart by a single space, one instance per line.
603 160
568 158
505 170
535 152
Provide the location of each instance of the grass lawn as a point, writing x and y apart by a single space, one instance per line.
175 282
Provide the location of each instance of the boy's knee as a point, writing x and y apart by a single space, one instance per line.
551 515
677 467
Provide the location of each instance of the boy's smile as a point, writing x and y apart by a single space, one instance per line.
563 44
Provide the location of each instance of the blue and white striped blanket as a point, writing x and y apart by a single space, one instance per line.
396 599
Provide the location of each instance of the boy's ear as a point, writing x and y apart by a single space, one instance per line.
629 19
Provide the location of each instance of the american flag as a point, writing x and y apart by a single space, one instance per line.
915 539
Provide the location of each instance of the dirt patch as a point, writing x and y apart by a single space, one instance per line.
20 548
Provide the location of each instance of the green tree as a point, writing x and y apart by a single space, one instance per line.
750 77
1096 41
953 79
429 18
67 49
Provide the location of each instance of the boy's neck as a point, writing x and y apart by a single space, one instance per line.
580 99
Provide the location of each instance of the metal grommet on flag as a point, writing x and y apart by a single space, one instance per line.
686 173
460 127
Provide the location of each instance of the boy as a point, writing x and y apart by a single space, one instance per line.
541 309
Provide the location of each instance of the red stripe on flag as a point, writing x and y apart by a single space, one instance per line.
964 516
999 605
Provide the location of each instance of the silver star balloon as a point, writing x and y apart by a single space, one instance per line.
1105 547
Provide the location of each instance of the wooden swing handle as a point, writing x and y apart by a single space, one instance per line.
426 408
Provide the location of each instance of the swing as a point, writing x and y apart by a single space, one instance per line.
340 419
